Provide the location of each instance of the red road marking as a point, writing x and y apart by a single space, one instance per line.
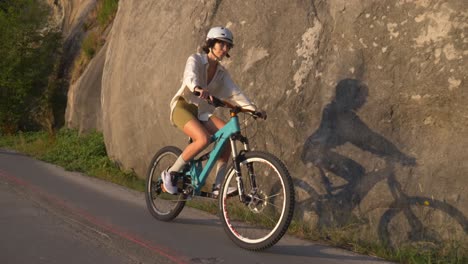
86 215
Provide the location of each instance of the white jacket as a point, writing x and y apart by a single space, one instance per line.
221 86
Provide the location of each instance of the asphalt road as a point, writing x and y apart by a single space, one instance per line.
49 215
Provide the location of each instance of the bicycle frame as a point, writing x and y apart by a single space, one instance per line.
220 138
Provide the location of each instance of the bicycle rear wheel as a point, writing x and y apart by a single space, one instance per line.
162 205
422 221
260 221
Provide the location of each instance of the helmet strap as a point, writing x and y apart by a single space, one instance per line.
216 57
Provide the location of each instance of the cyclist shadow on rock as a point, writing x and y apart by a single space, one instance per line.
340 124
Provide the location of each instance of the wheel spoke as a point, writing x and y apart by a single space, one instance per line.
272 204
162 205
262 222
270 218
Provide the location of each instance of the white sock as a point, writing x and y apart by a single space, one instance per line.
178 165
220 173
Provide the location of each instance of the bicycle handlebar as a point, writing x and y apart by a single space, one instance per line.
216 102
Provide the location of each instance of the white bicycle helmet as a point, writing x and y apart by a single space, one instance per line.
221 33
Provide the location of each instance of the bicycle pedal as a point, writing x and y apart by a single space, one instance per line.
208 195
236 193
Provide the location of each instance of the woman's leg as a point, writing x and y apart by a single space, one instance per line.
200 136
213 125
185 118
200 139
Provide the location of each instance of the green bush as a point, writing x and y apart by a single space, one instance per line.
106 11
90 45
28 53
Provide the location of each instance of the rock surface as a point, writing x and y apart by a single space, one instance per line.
70 17
366 102
84 97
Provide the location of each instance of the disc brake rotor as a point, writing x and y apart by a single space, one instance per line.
258 202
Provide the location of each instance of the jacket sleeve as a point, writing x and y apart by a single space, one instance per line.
235 95
192 68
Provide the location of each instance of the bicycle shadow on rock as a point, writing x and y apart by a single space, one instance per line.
340 124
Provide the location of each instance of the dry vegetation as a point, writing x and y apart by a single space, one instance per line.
96 30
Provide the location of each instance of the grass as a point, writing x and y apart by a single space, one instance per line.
74 152
350 238
106 11
87 154
90 45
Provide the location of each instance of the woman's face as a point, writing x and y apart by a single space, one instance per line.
220 49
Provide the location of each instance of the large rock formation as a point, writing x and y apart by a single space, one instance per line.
84 97
366 102
70 16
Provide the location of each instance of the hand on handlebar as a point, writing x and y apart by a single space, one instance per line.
203 94
261 114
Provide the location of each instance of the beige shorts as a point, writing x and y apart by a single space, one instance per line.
184 112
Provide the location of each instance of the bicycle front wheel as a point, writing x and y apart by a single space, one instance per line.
262 219
162 205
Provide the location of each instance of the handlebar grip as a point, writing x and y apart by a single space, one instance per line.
261 115
217 102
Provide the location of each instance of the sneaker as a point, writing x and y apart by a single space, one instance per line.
169 180
231 190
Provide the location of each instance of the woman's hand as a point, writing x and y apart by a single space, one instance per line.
202 93
261 114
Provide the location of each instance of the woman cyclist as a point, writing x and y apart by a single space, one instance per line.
206 77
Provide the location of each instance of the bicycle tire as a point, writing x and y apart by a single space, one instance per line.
156 199
248 225
428 204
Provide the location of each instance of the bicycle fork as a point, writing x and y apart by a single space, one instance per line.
244 198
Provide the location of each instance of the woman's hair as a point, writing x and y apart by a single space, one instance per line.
209 43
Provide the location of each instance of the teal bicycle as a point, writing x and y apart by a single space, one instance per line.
258 214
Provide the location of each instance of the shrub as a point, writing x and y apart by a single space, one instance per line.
106 11
28 52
